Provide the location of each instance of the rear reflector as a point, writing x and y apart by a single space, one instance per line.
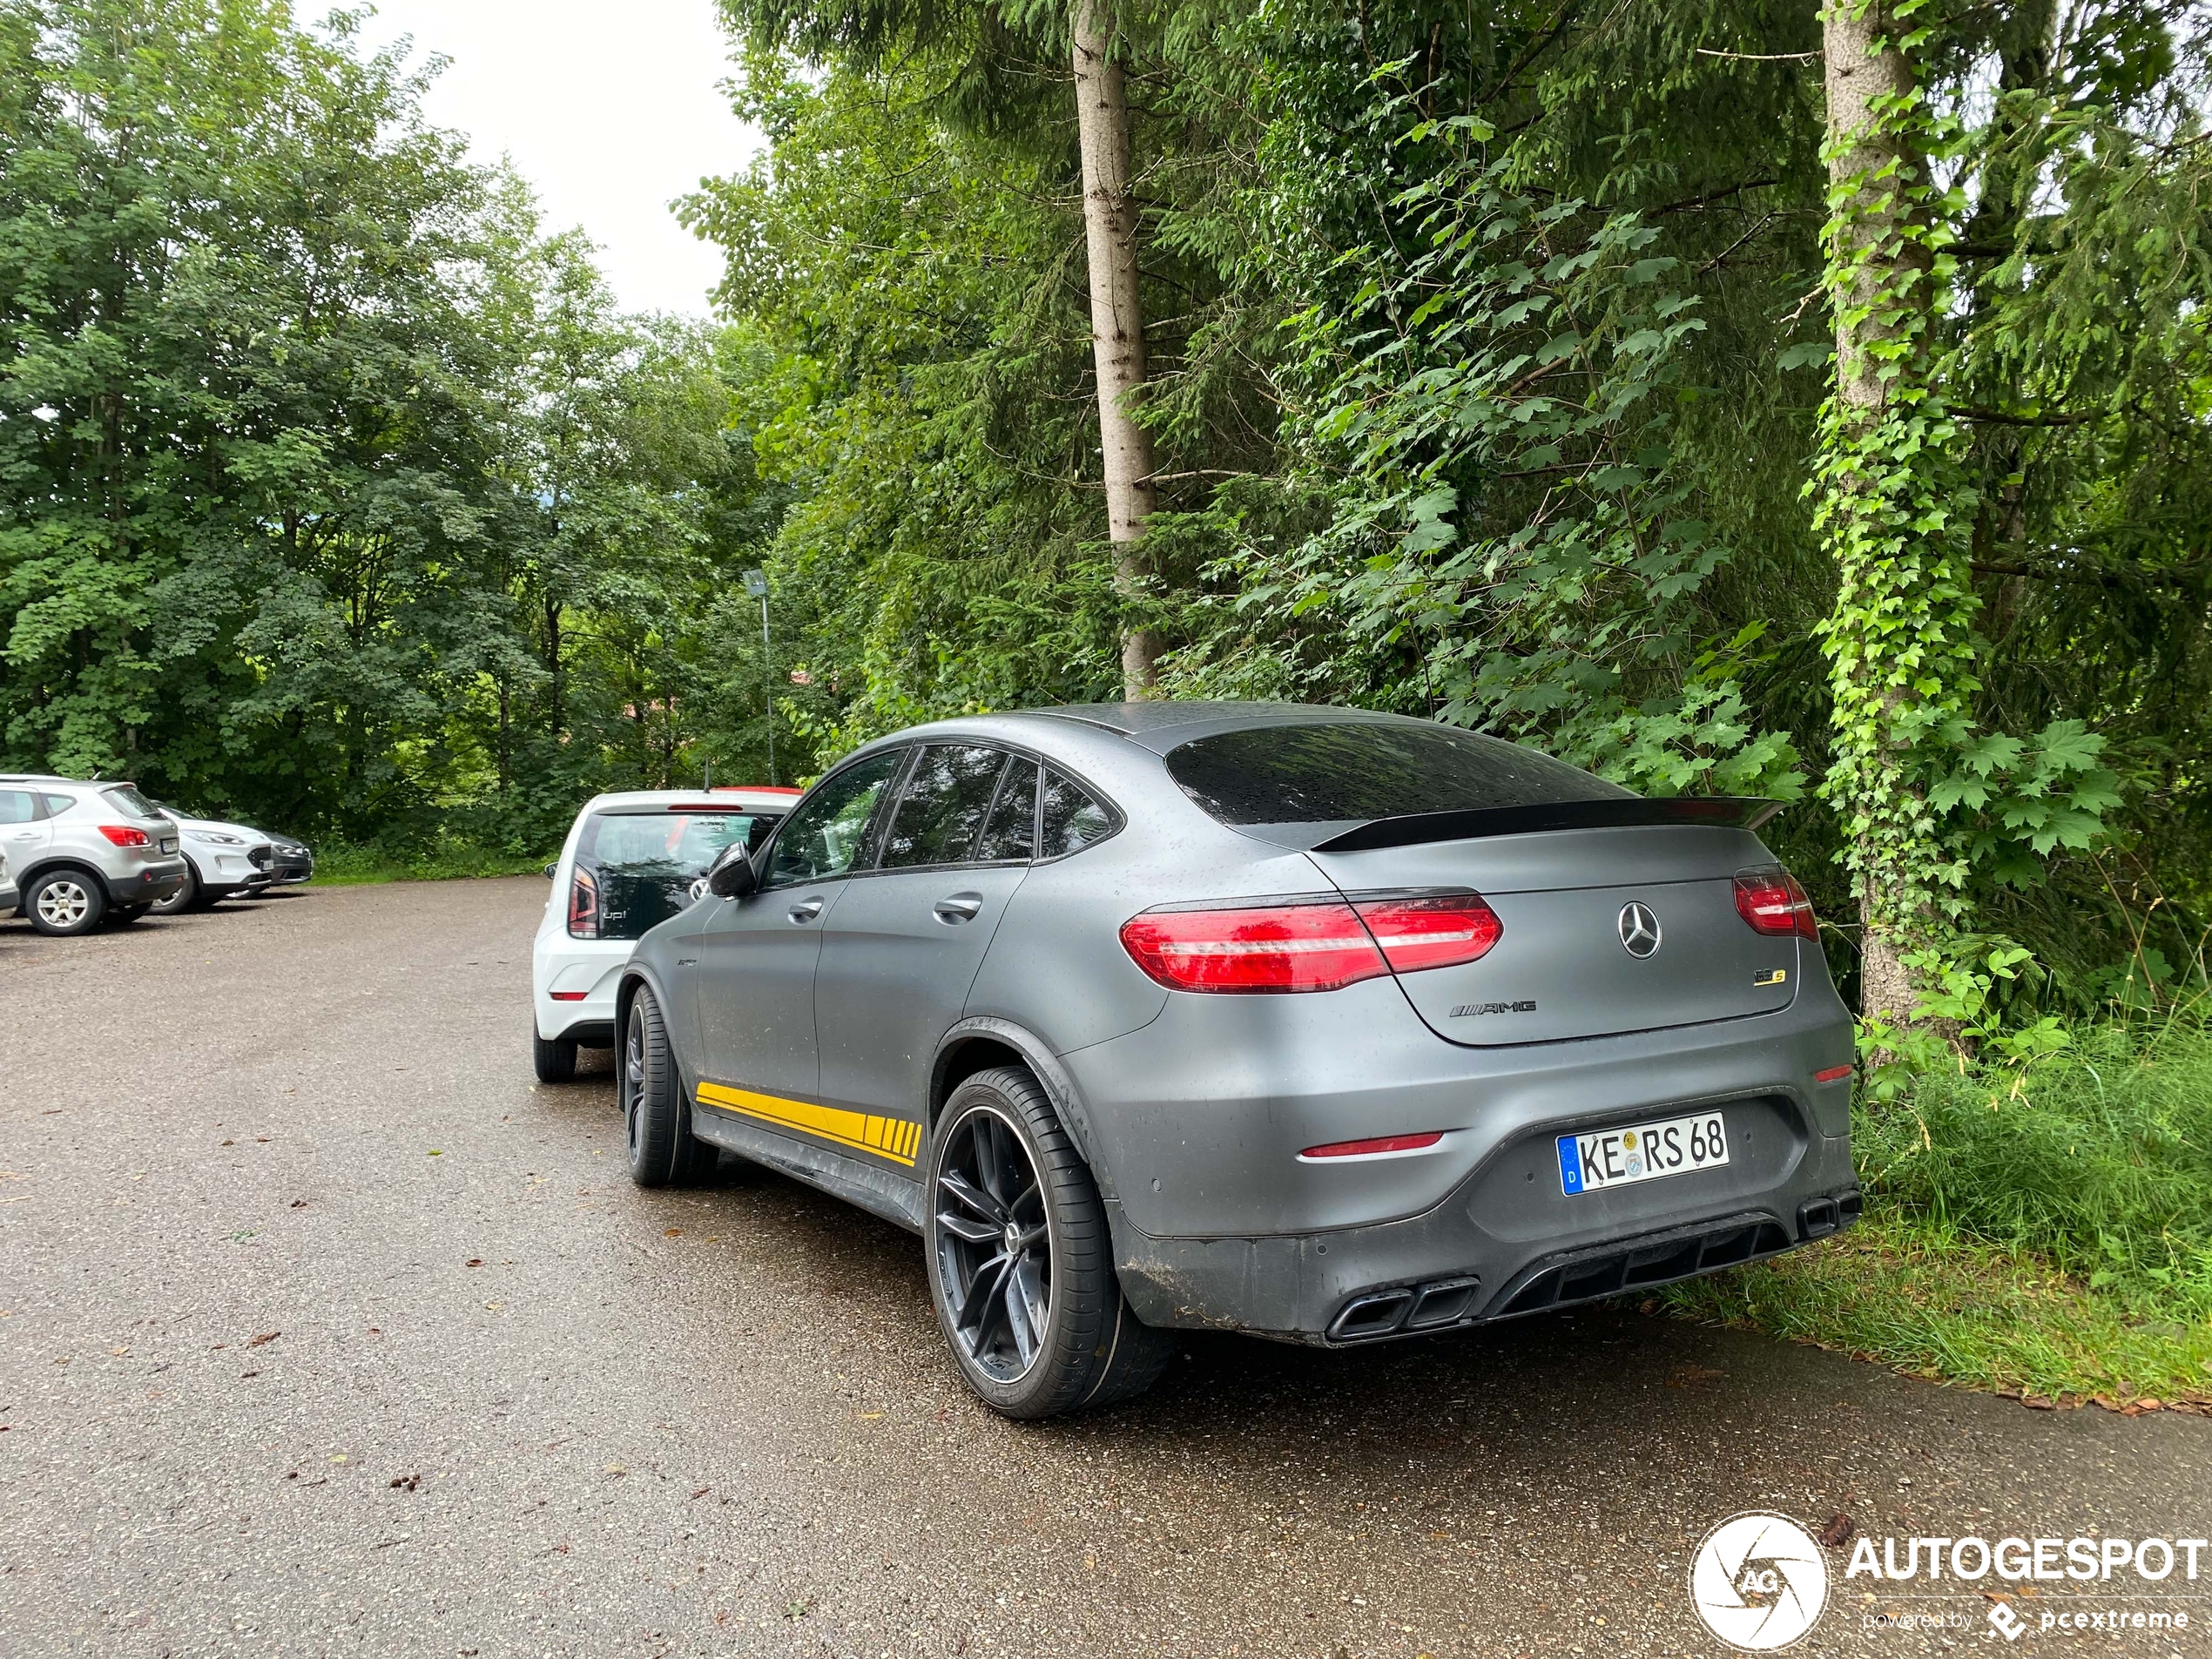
567 996
1315 946
1770 899
122 835
1368 1148
1833 1074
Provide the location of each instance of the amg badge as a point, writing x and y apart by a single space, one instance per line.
1527 1005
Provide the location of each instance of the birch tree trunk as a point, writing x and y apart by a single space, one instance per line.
1899 641
1117 323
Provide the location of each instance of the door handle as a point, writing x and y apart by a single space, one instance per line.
805 910
956 908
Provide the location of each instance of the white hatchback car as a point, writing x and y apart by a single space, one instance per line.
631 859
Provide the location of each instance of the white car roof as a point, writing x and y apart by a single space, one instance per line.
736 798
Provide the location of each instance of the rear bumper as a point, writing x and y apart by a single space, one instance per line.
573 984
148 884
1444 1272
1217 1223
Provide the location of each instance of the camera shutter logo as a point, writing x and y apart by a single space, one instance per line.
1639 929
1758 1582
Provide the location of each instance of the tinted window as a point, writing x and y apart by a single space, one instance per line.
822 838
127 799
1011 831
17 806
1072 817
944 803
646 861
1357 771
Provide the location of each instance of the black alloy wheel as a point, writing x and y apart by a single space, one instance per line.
656 1121
1021 1264
994 1246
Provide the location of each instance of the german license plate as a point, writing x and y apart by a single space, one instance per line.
1616 1157
169 844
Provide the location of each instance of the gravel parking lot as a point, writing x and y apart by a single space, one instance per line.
326 1330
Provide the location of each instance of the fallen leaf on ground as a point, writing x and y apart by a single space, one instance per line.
1838 1530
265 1336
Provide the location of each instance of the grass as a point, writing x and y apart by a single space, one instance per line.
339 864
2050 1236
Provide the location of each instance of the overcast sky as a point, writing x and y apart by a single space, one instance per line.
610 112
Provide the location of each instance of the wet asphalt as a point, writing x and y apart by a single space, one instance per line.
324 1330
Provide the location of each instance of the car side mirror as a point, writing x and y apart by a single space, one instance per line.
550 868
732 874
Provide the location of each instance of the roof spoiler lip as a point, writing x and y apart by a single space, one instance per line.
1414 829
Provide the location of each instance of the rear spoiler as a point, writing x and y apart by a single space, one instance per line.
1723 812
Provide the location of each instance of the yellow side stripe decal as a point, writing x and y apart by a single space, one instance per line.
891 1137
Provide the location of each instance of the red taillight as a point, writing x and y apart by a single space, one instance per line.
1416 934
1275 948
124 835
567 996
1770 899
1320 946
583 906
1381 1144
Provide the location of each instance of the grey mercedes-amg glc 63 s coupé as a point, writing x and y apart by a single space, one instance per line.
1313 1023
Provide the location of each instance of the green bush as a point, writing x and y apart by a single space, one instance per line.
341 864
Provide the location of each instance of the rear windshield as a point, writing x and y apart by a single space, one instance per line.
126 799
646 861
1348 772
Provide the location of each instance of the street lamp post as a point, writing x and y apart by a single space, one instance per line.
756 584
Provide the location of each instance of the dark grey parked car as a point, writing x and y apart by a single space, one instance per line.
1313 1023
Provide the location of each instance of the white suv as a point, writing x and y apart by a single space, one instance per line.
83 852
631 859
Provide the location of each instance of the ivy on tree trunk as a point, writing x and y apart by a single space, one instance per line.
1890 495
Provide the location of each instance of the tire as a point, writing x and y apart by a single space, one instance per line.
657 1119
999 1168
191 896
65 903
553 1059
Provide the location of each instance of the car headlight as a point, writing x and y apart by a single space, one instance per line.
215 837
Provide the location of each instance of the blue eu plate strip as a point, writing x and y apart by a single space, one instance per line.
1570 1166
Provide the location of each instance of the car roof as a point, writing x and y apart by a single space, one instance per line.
730 796
1164 725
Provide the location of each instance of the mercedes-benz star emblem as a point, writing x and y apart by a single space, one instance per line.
1639 929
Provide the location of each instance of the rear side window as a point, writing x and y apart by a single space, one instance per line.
1358 771
1010 832
947 797
1071 817
56 804
18 806
124 798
